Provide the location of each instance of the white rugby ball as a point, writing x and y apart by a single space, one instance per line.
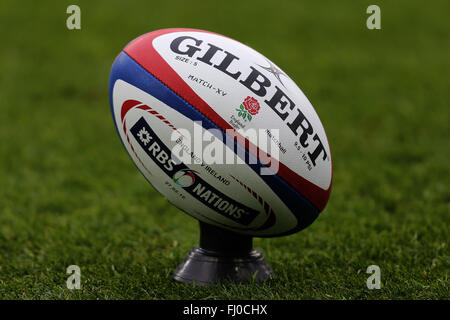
221 131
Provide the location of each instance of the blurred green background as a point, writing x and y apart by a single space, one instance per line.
69 194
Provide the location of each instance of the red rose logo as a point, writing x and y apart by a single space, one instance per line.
251 105
248 108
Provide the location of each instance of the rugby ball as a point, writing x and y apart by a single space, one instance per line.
221 131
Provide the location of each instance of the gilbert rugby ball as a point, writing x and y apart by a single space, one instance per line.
172 89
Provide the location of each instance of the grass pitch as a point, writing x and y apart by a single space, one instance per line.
69 194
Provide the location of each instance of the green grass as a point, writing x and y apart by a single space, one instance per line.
69 194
